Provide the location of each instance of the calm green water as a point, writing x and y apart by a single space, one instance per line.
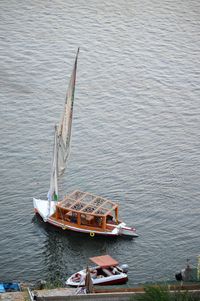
136 130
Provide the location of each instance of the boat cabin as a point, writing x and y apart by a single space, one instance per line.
85 210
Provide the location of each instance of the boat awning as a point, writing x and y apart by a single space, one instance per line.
104 261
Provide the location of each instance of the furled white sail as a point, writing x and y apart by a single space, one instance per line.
63 137
64 129
53 190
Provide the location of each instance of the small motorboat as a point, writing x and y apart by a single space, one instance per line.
105 272
9 287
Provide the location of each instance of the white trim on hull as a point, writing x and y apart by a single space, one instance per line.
45 209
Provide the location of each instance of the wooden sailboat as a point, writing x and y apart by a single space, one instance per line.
78 211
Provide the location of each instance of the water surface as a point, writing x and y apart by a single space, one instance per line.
135 133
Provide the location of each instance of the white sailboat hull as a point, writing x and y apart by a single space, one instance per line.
46 209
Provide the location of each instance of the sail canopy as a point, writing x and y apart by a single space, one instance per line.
63 137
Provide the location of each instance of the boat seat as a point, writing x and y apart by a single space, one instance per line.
107 272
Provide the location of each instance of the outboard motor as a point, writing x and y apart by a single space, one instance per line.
124 268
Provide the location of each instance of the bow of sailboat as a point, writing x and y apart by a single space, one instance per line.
44 208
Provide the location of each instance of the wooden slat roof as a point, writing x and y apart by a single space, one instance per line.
87 203
104 261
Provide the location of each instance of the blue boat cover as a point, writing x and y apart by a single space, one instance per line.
9 287
2 289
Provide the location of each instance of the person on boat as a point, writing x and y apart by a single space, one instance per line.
109 219
77 277
98 221
115 270
185 274
94 273
73 218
